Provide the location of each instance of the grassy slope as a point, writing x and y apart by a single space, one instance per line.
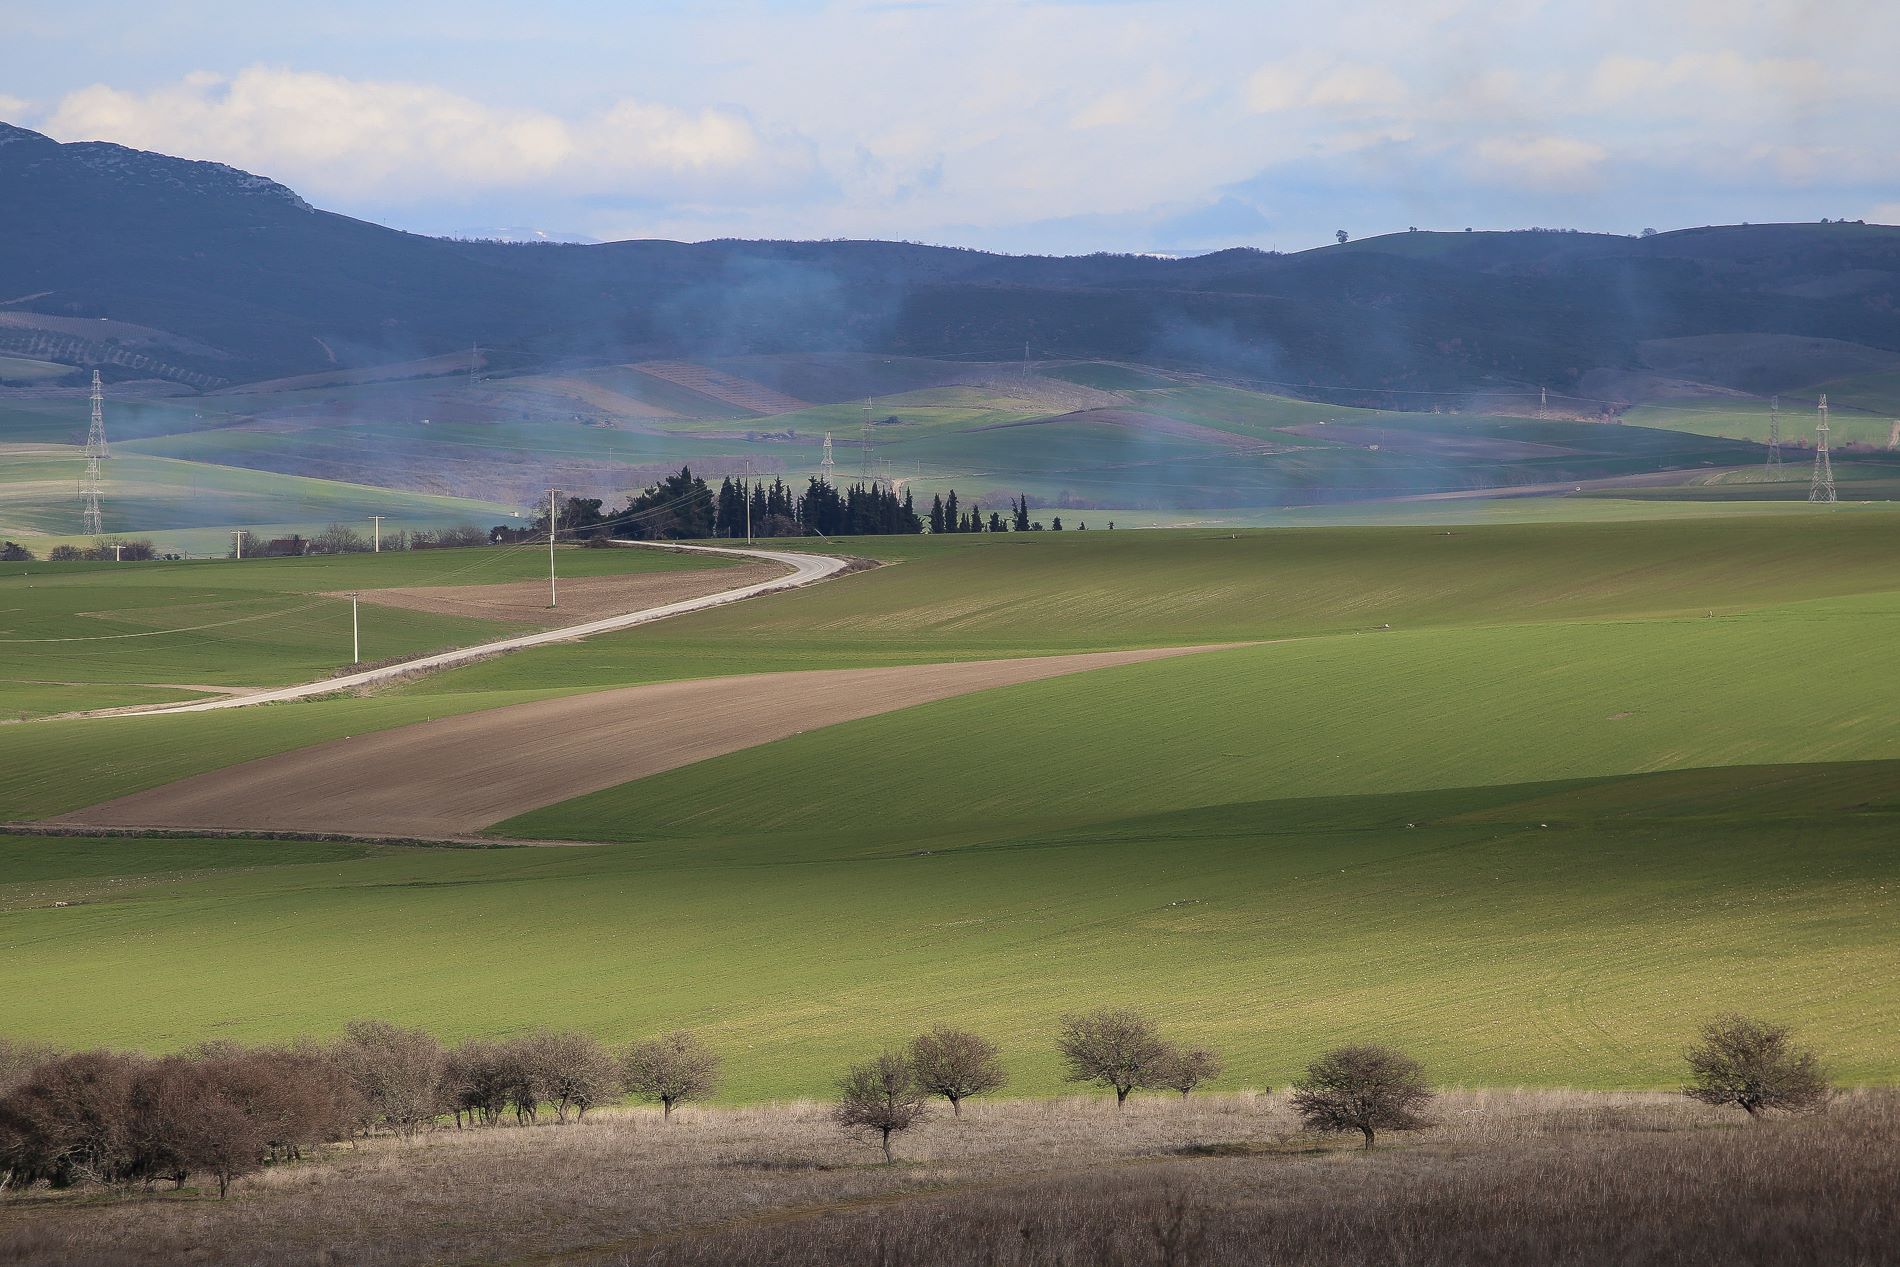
92 635
999 858
1499 951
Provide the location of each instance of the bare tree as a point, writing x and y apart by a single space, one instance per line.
671 1070
1366 1089
882 1095
396 1072
1756 1066
955 1063
18 1060
569 1070
1115 1047
1185 1068
477 1077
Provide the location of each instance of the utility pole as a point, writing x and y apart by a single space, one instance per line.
377 538
1774 435
118 553
356 641
1822 489
237 543
745 491
553 601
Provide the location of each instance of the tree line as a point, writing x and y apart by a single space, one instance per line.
223 1111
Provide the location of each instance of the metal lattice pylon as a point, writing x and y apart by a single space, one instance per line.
1774 436
825 465
96 449
1822 489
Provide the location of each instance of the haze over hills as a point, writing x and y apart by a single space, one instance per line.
235 278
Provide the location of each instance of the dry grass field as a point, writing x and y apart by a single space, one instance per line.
1501 1177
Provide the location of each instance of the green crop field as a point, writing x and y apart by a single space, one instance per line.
1528 798
97 635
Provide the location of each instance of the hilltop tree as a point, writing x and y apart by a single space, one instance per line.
955 1064
1115 1047
568 1070
882 1095
1366 1089
1185 1068
671 1070
936 516
1755 1066
1021 516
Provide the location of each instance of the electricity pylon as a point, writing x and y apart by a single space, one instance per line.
1774 436
96 449
1822 489
825 465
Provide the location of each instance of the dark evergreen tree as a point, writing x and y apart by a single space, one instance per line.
1022 515
996 523
936 514
950 521
1057 525
678 506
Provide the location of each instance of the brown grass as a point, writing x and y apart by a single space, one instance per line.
1544 1177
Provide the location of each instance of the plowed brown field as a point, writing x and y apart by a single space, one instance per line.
457 775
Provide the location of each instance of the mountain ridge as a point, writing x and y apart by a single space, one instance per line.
240 264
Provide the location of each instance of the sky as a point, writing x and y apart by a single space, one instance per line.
1025 127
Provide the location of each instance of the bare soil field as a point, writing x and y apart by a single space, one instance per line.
583 598
1499 1177
457 775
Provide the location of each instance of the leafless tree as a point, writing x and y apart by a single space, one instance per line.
882 1095
955 1063
477 1077
1756 1066
18 1059
569 1070
396 1072
1185 1068
1115 1047
1366 1089
671 1070
68 1121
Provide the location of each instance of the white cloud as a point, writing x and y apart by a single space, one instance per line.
1313 81
1544 162
399 141
13 107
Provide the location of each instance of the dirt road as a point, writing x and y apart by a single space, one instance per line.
458 775
803 569
583 598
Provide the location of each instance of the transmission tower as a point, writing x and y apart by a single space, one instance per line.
864 446
1774 436
1822 489
824 466
474 363
95 450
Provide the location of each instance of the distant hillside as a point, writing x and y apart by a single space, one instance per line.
208 274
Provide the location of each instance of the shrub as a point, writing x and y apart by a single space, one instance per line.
882 1095
1184 1069
1366 1089
954 1064
569 1070
396 1073
1755 1066
671 1070
14 552
1115 1047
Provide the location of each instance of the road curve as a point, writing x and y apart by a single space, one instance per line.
806 568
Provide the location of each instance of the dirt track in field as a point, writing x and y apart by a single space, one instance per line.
458 775
582 598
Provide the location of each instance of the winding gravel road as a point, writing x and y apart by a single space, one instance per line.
805 569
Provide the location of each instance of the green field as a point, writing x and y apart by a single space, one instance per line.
98 635
1529 799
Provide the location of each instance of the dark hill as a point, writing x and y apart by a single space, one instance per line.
246 280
